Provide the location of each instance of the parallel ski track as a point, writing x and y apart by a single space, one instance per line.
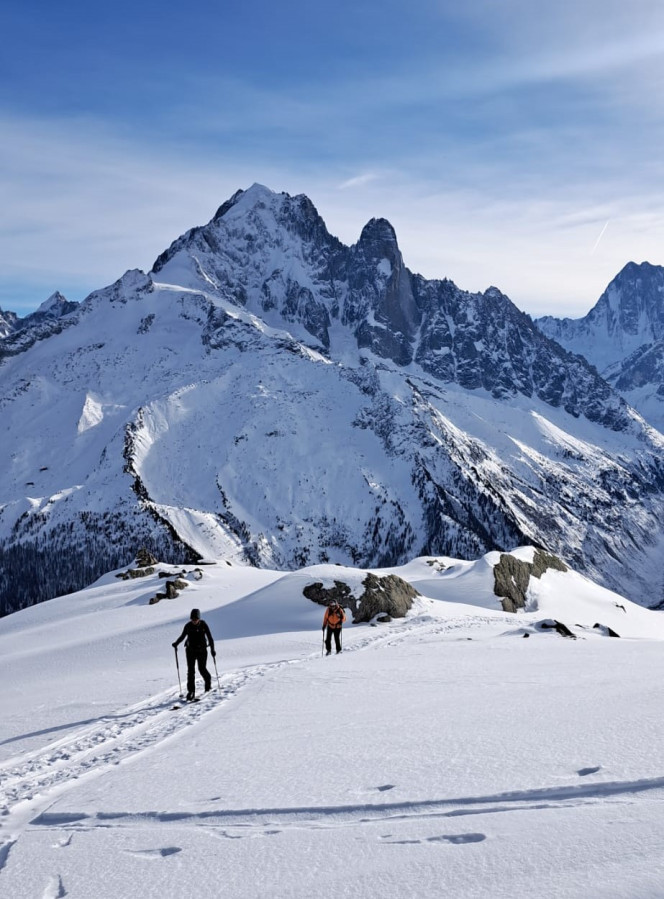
31 781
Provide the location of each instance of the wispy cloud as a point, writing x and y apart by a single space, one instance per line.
359 180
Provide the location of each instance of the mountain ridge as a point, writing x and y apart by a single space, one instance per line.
268 395
623 336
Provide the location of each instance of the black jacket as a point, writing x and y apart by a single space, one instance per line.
196 634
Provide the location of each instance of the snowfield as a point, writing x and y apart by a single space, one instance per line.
461 752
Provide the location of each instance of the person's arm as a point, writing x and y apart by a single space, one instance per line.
343 614
181 637
325 617
210 640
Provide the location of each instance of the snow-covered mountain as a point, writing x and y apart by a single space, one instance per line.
41 323
269 395
8 322
623 336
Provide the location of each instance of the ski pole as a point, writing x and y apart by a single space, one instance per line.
177 663
214 659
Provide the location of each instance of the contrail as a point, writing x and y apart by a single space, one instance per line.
601 235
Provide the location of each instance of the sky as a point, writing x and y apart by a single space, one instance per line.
509 143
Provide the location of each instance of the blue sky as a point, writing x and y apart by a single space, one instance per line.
509 143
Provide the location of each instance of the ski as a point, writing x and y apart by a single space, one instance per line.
184 702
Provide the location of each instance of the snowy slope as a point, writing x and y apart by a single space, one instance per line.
268 395
443 753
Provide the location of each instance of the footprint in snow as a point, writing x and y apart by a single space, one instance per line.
584 772
458 838
155 853
65 841
54 889
402 842
454 838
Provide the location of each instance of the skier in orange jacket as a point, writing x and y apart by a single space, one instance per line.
333 620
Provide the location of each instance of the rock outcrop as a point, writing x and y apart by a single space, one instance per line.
383 598
512 576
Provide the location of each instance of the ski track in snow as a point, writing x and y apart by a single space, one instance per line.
31 781
237 823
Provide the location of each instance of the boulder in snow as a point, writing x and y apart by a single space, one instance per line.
144 558
512 576
385 596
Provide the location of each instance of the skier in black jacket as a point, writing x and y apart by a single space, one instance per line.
197 635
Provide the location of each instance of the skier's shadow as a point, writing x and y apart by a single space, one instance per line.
69 726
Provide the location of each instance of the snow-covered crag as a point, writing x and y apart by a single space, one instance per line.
48 319
623 336
269 395
8 323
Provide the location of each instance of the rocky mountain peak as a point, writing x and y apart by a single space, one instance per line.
244 200
56 306
227 204
378 240
634 301
55 300
623 336
8 322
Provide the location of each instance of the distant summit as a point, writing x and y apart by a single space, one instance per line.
8 322
623 337
39 324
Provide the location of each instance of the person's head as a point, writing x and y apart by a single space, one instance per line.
332 604
195 615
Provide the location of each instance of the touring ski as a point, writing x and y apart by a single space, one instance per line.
184 702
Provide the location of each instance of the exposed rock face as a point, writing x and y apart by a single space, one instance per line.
8 322
623 336
171 590
145 558
512 576
378 276
132 573
643 369
390 595
557 626
605 629
340 593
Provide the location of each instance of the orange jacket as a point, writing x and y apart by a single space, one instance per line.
334 617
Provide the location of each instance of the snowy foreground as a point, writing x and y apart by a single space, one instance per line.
440 755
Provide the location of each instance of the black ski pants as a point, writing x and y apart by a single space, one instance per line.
197 657
337 638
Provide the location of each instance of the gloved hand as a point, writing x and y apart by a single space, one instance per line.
174 645
214 654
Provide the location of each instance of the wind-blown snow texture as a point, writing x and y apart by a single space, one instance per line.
271 396
439 755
